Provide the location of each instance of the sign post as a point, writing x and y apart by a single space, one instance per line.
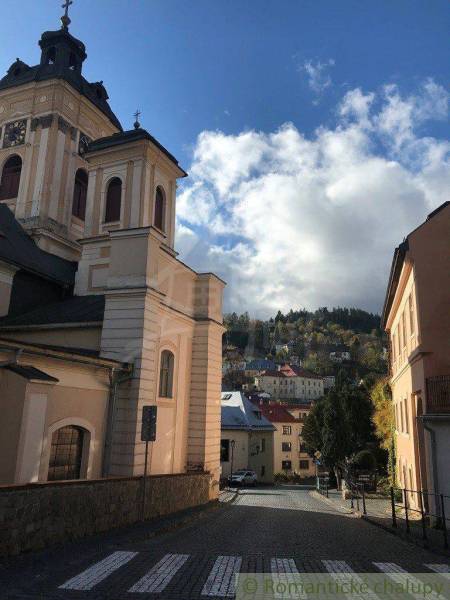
148 434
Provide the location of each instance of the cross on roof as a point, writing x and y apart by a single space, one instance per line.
65 20
136 115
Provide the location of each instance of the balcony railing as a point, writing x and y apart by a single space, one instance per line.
438 394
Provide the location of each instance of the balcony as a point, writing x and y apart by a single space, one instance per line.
438 394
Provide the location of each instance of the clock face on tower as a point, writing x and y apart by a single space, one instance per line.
15 133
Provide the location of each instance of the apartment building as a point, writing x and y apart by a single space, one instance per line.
290 382
289 454
416 316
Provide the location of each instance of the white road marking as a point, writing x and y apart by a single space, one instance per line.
158 578
221 581
283 565
401 576
286 570
98 572
339 570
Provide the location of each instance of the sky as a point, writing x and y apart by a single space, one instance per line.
315 132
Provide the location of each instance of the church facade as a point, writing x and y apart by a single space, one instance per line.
98 317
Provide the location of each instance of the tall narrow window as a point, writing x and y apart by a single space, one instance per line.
66 453
159 209
80 194
411 314
113 200
166 374
9 185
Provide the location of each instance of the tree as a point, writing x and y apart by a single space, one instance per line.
336 445
384 422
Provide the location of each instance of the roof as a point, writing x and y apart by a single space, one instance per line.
126 137
239 413
397 265
31 373
276 413
259 364
20 73
291 371
18 249
77 309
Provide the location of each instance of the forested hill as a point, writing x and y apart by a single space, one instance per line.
310 336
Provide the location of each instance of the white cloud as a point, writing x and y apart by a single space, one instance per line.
293 221
317 73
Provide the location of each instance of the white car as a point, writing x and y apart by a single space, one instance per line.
243 477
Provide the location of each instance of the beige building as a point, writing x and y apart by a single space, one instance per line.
290 382
98 316
289 454
246 438
417 317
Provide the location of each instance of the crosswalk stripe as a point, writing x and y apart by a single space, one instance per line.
158 578
282 568
401 576
440 568
339 570
99 571
221 580
283 565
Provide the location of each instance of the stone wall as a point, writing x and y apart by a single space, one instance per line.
34 516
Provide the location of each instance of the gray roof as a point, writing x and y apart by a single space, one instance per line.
239 413
78 309
18 249
125 137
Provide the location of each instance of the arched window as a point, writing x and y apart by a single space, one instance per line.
66 453
166 374
80 194
9 185
113 199
159 208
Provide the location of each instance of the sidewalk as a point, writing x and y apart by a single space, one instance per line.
379 512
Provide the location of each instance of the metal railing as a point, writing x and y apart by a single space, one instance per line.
438 394
357 493
430 507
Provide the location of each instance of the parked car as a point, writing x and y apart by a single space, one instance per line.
243 477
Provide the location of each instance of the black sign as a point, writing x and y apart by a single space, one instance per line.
148 431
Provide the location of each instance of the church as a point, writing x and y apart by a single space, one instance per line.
98 316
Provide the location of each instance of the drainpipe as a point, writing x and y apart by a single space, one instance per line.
114 382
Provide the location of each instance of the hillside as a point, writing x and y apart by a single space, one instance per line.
310 338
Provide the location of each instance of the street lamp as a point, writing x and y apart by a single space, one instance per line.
233 443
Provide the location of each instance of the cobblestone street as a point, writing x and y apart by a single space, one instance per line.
263 530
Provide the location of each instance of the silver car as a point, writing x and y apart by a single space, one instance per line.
243 477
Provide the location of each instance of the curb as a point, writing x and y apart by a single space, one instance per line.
347 511
405 538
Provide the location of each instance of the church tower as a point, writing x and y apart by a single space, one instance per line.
88 191
48 115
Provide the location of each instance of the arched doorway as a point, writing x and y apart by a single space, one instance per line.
66 453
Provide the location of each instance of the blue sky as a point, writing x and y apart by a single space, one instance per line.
198 67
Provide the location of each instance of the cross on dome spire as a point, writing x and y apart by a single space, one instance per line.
65 19
136 115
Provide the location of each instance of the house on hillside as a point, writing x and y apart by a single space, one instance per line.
246 440
290 382
416 315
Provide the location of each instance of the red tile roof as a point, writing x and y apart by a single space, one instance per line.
276 413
